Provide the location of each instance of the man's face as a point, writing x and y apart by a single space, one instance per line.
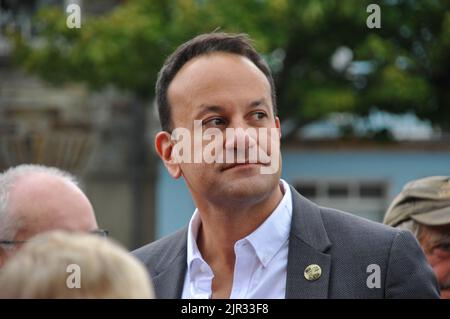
226 91
43 203
435 241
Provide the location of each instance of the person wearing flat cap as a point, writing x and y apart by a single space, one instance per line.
423 207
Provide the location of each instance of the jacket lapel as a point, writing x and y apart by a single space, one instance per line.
308 243
169 282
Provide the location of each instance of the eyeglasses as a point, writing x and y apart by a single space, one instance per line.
99 232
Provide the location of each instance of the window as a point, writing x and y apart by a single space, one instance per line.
308 190
367 190
338 190
365 198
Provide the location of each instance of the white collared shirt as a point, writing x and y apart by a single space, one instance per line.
261 258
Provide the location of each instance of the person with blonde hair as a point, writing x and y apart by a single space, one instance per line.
66 265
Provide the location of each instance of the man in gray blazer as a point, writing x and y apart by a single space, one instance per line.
252 235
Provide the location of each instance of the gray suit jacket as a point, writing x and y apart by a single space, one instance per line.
343 246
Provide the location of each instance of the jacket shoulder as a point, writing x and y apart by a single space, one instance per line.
358 236
406 273
341 224
161 252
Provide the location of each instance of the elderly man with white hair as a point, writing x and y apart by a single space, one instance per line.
35 199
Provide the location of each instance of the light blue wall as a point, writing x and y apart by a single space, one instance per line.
175 207
396 167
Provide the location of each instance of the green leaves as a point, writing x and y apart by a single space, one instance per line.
409 56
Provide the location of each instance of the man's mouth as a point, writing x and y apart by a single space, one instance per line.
237 165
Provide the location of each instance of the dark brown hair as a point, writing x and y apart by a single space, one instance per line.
203 44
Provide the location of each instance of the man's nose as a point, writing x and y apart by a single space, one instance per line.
240 136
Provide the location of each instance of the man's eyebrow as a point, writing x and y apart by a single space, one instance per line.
207 108
212 108
260 102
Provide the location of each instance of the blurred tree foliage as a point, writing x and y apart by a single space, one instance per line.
324 57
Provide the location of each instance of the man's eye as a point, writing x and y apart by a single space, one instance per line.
443 247
217 121
259 115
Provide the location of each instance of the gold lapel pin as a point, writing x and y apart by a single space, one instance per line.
313 272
